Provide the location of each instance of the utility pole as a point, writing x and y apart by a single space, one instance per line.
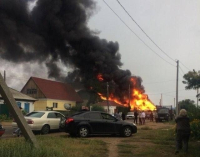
174 102
129 95
197 96
196 74
16 112
108 96
177 106
161 101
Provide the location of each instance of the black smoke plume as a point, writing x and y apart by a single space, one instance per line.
56 30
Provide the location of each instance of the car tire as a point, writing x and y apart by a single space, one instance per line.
83 131
45 129
127 132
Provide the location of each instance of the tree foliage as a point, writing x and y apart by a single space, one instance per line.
192 80
189 105
97 108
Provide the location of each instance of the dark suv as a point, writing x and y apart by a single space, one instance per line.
95 122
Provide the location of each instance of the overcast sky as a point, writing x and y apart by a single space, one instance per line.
172 24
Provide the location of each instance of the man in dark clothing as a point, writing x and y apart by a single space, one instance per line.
135 116
182 131
123 116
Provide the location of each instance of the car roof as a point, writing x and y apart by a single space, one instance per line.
46 111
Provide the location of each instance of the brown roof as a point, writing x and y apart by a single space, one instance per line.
56 90
111 103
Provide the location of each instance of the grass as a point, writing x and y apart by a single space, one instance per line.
151 143
62 146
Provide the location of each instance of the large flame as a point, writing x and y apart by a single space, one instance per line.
137 99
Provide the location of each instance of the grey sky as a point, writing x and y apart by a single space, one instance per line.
172 24
174 27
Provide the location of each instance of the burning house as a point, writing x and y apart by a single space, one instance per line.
55 31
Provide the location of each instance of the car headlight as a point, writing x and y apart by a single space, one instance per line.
134 124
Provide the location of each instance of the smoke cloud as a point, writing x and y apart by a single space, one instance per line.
56 30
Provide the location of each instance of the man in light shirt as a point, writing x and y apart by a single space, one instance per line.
143 117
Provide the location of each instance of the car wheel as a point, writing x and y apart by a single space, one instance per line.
45 129
83 131
127 132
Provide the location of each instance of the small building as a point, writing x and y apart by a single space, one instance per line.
112 106
22 100
51 94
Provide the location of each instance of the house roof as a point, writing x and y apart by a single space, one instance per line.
111 103
56 90
20 96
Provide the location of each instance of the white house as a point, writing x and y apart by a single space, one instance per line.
110 104
22 100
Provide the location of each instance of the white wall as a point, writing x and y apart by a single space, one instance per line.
31 105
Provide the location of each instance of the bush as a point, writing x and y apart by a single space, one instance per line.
3 117
195 128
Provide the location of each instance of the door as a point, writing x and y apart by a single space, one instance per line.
109 123
96 122
27 107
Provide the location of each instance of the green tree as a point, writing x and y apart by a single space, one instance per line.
192 110
192 80
97 108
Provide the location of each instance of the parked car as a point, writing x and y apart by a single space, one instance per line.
43 121
95 122
130 115
2 130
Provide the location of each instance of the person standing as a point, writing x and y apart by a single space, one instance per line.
123 116
182 131
135 116
143 117
151 116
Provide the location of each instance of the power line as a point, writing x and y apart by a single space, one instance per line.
182 70
144 31
136 34
184 65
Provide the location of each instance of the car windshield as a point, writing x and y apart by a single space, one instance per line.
35 114
130 113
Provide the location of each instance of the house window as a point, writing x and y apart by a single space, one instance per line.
55 105
31 91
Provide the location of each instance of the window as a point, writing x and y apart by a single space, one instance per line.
58 115
55 105
107 116
31 91
51 115
95 116
19 104
35 114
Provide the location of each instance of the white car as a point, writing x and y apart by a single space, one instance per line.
43 121
130 115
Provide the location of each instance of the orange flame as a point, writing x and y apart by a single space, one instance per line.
100 77
138 101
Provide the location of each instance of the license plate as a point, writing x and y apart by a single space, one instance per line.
161 117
